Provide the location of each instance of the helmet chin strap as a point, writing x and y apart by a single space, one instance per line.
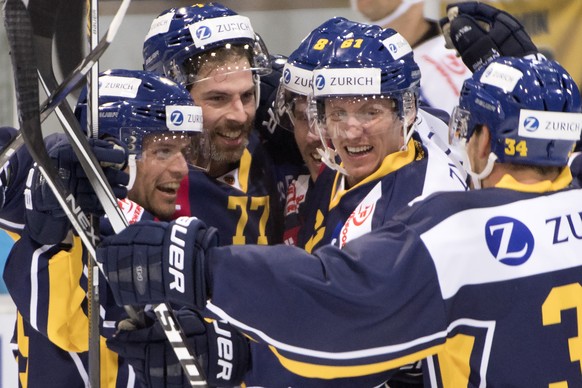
328 156
131 165
407 131
476 178
399 11
257 81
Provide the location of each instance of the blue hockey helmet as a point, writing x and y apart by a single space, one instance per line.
384 60
531 107
298 71
385 69
372 64
373 69
135 105
178 38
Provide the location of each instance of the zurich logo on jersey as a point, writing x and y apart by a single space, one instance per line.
531 124
287 76
203 32
509 240
177 118
319 82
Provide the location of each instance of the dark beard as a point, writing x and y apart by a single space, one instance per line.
230 156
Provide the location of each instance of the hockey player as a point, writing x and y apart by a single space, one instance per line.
481 282
13 220
384 165
156 120
215 53
291 110
291 114
378 133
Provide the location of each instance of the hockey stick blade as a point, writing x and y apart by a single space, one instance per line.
70 83
76 76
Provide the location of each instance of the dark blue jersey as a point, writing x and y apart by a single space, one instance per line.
12 182
487 284
48 284
244 204
337 215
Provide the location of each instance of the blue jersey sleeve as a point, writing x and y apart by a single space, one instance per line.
299 303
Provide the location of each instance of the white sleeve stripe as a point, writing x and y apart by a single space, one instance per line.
356 354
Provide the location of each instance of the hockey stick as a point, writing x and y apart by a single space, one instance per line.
19 31
92 267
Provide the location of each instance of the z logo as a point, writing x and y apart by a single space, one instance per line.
509 240
531 124
203 32
320 82
177 118
287 76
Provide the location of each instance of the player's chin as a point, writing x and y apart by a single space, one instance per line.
165 210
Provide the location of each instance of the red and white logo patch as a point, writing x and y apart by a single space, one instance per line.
131 210
360 221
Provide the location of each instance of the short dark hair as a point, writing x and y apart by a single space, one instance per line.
229 52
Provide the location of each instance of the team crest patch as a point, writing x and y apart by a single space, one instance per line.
131 210
360 221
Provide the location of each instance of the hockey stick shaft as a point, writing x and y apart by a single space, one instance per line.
93 272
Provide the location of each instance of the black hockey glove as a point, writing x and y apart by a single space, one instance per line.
45 219
481 33
223 352
155 262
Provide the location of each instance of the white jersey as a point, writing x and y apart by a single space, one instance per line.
442 74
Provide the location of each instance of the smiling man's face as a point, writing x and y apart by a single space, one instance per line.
160 169
228 106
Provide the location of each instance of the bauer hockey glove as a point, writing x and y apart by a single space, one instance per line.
45 219
223 352
155 262
481 33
